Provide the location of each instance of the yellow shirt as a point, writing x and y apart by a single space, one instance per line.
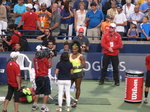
75 62
139 2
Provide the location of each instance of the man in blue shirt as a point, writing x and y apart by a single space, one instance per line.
94 18
19 9
145 7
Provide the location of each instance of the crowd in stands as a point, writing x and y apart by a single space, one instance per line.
79 18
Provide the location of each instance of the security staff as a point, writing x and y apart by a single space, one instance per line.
111 43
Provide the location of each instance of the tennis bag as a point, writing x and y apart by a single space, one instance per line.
27 94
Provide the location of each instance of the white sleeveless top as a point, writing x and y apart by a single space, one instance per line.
81 17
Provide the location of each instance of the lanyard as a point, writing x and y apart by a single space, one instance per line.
43 18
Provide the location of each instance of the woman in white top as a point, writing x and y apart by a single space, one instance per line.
79 19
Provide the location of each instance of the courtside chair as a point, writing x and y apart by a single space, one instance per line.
22 61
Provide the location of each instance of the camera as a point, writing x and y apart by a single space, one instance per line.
7 32
42 52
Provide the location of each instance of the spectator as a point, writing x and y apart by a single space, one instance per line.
84 48
148 15
99 5
123 2
81 39
120 20
35 6
51 45
6 3
39 2
17 47
55 21
145 7
108 5
46 37
105 25
133 32
30 21
136 16
1 47
79 18
139 2
145 26
94 17
77 2
14 38
113 10
128 8
66 48
19 9
67 18
3 18
60 5
44 17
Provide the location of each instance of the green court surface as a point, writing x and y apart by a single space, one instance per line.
94 98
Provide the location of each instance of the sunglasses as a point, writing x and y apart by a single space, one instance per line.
83 46
111 27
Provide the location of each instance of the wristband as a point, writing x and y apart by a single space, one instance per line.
77 66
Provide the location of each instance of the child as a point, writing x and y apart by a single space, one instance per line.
64 69
133 31
145 26
105 25
147 82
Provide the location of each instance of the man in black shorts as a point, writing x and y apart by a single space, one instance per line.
14 82
41 66
147 83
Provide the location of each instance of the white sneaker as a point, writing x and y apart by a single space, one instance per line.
35 107
60 109
45 109
68 109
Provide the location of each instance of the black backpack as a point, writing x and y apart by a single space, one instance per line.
23 42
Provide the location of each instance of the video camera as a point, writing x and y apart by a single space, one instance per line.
7 32
42 51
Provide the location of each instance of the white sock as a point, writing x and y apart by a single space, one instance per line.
43 105
35 103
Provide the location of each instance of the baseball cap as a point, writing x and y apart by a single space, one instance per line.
134 22
29 5
81 30
14 54
113 25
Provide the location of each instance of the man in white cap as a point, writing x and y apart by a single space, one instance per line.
30 20
14 82
111 43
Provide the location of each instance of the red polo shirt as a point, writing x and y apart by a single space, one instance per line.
13 70
41 66
147 62
29 18
111 40
15 39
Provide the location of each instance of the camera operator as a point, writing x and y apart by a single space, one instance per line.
42 62
46 37
14 38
